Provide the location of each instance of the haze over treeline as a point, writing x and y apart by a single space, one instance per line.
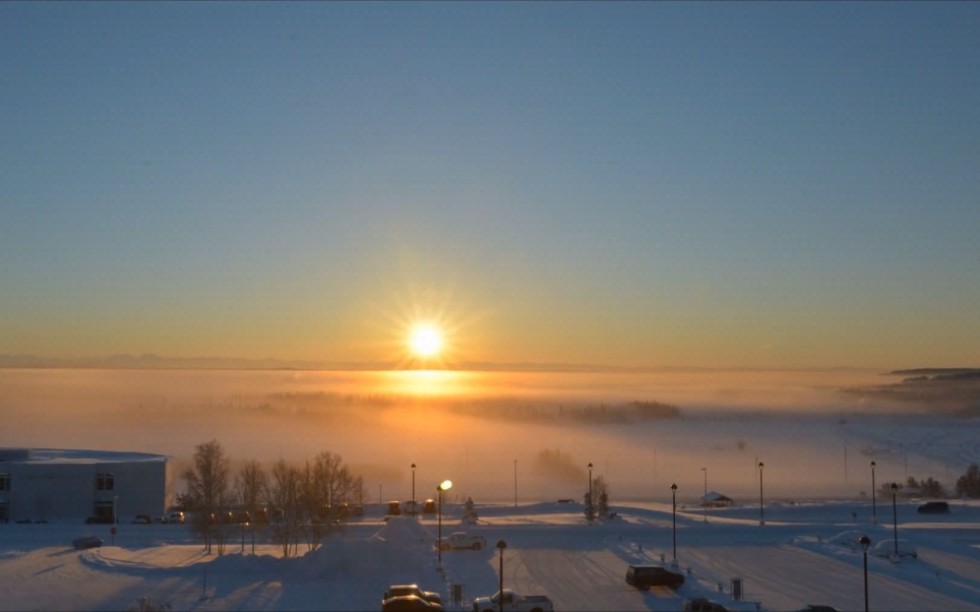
481 429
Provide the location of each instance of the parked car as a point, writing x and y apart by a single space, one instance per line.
142 519
460 540
645 576
886 548
87 542
850 539
702 604
934 507
409 603
176 517
400 590
512 601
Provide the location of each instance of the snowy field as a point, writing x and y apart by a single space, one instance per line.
791 561
816 444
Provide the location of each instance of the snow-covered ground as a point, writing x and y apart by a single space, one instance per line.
790 561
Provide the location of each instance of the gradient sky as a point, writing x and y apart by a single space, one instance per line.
636 184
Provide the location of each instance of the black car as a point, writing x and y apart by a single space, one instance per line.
934 507
87 542
646 576
701 604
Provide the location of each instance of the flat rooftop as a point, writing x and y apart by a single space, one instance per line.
59 455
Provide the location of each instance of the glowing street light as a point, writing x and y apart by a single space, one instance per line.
445 485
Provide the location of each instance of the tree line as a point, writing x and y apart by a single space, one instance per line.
291 503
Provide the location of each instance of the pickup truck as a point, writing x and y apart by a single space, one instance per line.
513 602
460 540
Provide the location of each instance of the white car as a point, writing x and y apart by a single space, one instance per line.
886 548
460 540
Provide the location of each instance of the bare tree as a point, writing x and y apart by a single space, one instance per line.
328 488
283 493
207 490
251 485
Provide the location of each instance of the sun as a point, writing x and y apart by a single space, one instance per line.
425 340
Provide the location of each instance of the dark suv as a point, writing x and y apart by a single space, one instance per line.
646 576
934 507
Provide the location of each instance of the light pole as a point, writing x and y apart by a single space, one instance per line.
515 483
895 516
501 545
704 500
673 495
414 505
874 505
762 507
590 513
445 485
865 542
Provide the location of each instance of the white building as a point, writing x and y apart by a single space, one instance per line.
53 484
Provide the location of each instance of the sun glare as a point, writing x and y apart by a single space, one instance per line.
425 341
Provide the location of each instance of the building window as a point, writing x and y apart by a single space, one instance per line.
105 482
103 512
4 482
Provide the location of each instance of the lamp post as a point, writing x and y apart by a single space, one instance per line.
414 505
501 545
673 495
874 505
704 500
589 510
762 507
515 483
895 516
445 485
865 542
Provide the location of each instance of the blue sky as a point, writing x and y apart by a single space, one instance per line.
642 184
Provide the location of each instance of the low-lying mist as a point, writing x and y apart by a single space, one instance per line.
496 435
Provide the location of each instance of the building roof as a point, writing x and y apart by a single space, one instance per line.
62 456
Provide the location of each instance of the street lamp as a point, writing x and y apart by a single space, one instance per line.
865 542
895 516
673 495
501 545
590 513
445 485
704 500
762 507
414 505
874 505
515 483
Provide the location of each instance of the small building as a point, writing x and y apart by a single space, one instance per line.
716 500
53 484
